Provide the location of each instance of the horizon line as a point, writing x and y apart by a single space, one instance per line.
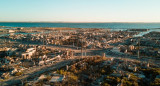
67 22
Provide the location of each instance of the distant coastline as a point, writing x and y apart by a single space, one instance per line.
109 25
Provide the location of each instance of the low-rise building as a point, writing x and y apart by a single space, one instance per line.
29 53
57 78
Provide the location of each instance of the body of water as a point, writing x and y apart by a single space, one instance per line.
85 25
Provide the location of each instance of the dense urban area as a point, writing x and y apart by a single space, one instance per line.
79 57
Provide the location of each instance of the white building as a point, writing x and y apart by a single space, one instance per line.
57 78
29 53
11 31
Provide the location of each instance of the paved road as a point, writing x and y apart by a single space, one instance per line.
33 72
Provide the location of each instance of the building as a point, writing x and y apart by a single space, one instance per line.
11 31
57 78
29 53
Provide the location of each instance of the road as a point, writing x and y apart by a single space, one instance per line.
36 71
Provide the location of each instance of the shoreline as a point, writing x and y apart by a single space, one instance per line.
43 29
71 28
110 25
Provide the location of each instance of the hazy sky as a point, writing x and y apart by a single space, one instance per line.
80 10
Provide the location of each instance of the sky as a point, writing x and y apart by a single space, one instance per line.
80 10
